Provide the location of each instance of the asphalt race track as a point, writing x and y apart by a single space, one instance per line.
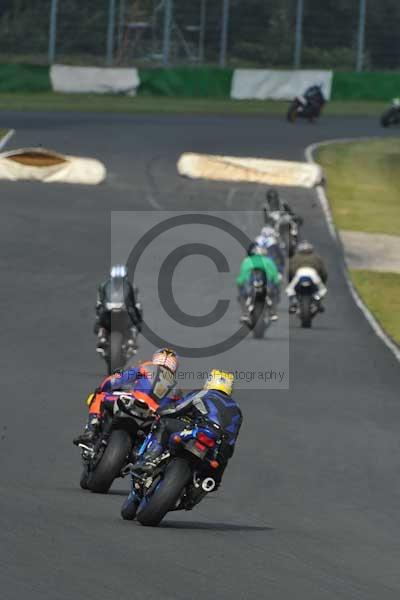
309 508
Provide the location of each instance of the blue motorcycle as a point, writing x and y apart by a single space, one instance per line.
182 475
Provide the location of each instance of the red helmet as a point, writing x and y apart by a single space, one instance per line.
167 358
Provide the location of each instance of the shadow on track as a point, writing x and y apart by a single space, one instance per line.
192 525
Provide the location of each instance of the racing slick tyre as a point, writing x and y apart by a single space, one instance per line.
153 509
116 360
292 113
305 311
258 320
109 467
83 482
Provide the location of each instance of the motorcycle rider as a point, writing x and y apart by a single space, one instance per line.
275 207
117 282
315 99
151 382
214 403
269 240
306 262
257 260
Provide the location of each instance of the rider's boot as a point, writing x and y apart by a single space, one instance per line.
91 430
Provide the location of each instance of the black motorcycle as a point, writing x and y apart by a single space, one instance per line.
392 115
124 426
120 344
307 300
181 477
307 106
258 304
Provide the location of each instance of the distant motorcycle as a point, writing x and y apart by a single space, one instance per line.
123 425
307 300
307 106
181 477
258 304
121 342
392 115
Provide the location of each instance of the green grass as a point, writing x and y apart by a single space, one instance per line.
381 293
2 133
50 101
363 184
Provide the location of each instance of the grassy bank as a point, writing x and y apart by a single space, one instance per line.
363 185
381 291
50 101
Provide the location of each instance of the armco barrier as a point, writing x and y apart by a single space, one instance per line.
204 82
24 78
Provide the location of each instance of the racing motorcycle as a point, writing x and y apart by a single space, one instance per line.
392 115
258 304
120 343
125 423
307 300
181 478
307 106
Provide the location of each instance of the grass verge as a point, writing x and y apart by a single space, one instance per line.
50 101
3 132
363 184
381 293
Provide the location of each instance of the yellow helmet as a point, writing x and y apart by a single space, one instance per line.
221 381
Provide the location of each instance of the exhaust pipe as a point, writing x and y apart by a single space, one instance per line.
208 484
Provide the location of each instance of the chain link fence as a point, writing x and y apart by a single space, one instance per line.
334 34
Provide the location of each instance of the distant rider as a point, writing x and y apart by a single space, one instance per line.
257 260
214 404
115 288
315 99
269 240
306 263
151 382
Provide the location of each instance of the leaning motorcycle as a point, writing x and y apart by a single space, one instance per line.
258 304
181 478
301 107
307 300
124 425
392 115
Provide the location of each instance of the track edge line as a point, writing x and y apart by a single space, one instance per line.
323 198
6 138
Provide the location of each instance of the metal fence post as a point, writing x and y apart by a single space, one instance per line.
224 32
168 10
202 33
52 31
361 35
110 33
299 34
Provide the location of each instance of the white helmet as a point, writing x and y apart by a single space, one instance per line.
305 247
268 231
118 271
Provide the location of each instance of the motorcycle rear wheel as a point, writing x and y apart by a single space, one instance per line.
258 320
151 511
292 113
115 455
305 312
